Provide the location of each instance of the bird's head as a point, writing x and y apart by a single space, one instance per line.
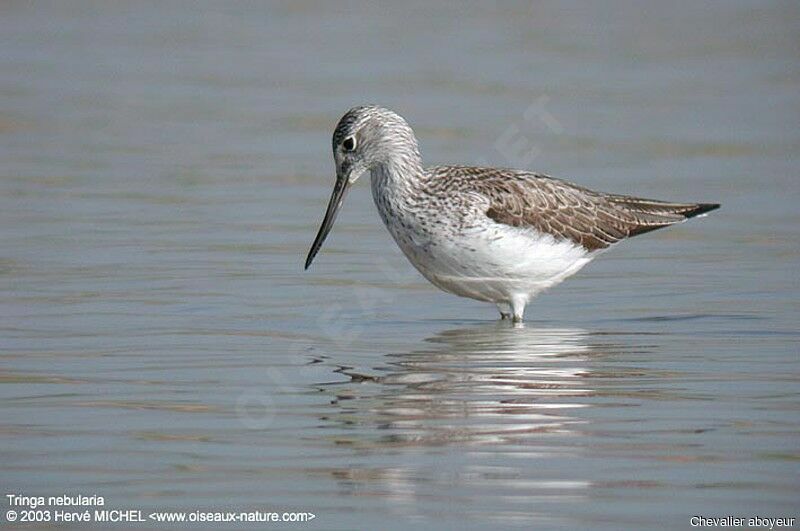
365 137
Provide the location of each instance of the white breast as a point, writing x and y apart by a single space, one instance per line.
487 260
500 262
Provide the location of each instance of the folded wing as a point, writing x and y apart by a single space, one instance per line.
564 210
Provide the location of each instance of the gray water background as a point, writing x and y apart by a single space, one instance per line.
163 169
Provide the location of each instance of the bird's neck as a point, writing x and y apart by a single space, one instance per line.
400 173
395 188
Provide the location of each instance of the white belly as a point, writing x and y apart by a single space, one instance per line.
468 254
493 263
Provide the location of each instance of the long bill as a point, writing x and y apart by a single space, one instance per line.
337 198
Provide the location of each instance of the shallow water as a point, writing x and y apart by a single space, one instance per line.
163 172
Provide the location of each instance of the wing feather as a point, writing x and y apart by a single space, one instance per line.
564 210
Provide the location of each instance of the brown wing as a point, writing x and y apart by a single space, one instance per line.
591 219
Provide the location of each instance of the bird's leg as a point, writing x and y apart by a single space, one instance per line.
505 310
518 303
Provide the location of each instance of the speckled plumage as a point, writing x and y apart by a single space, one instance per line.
497 235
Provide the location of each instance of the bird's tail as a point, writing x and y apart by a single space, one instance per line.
651 214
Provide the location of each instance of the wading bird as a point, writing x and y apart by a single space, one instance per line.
491 234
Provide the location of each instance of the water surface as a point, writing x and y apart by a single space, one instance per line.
164 167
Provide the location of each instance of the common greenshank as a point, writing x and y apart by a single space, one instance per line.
491 234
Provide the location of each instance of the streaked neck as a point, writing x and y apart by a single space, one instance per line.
403 168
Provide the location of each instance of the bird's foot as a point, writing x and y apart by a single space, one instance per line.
518 303
505 310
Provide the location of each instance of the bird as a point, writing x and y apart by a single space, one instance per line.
491 234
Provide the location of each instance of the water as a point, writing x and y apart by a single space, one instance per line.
164 168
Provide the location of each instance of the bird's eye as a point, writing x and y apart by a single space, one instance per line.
349 143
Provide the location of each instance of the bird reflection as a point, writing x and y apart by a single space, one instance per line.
485 384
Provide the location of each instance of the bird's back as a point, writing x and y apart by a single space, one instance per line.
566 211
